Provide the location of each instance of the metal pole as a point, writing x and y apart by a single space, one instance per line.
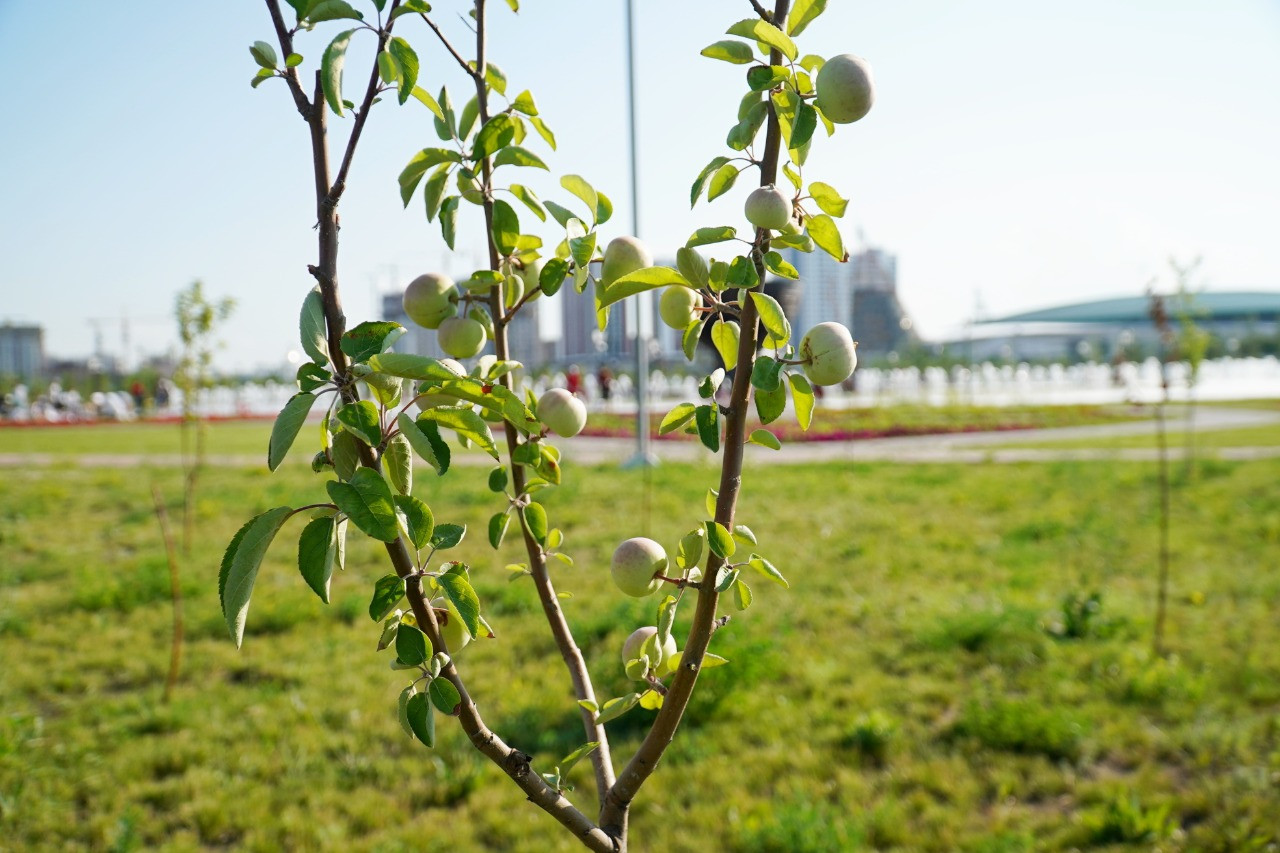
642 455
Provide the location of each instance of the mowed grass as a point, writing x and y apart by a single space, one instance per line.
1177 438
921 686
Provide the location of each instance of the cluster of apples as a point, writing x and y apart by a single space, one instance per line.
637 568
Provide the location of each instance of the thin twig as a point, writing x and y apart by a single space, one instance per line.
175 592
473 73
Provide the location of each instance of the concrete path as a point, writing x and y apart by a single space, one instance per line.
964 448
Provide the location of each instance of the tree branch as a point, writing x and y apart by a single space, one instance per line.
286 48
513 762
660 735
601 759
370 92
473 73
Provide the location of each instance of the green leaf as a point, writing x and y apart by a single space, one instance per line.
515 155
769 570
802 396
741 595
828 199
764 438
318 553
467 118
293 60
311 327
535 519
412 646
709 661
335 56
615 708
506 227
449 220
426 442
764 375
418 519
370 338
530 200
771 404
775 263
263 54
772 316
726 336
497 132
707 236
498 479
707 420
690 550
458 590
524 103
495 78
726 578
332 10
802 15
719 540
240 565
822 228
433 189
387 592
346 454
407 60
762 31
544 131
286 427
409 366
465 422
367 501
418 165
701 180
692 334
693 267
446 124
802 130
402 705
312 376
447 536
498 524
744 132
397 459
729 51
722 181
425 98
710 499
578 185
763 77
567 763
676 418
743 534
423 724
361 420
640 281
445 696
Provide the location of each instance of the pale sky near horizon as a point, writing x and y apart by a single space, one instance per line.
1033 153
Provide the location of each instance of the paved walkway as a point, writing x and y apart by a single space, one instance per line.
964 448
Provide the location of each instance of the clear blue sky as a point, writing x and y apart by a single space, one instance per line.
1035 152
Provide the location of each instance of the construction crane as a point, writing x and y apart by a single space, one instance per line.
123 322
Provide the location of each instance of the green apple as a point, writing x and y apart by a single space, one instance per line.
635 564
431 299
623 256
563 413
678 306
829 354
845 88
768 207
452 629
461 337
631 649
529 274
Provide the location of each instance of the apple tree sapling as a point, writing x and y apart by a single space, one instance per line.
384 411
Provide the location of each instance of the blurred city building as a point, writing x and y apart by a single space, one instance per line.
21 351
861 294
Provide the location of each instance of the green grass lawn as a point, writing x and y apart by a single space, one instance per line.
918 688
1263 436
250 437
